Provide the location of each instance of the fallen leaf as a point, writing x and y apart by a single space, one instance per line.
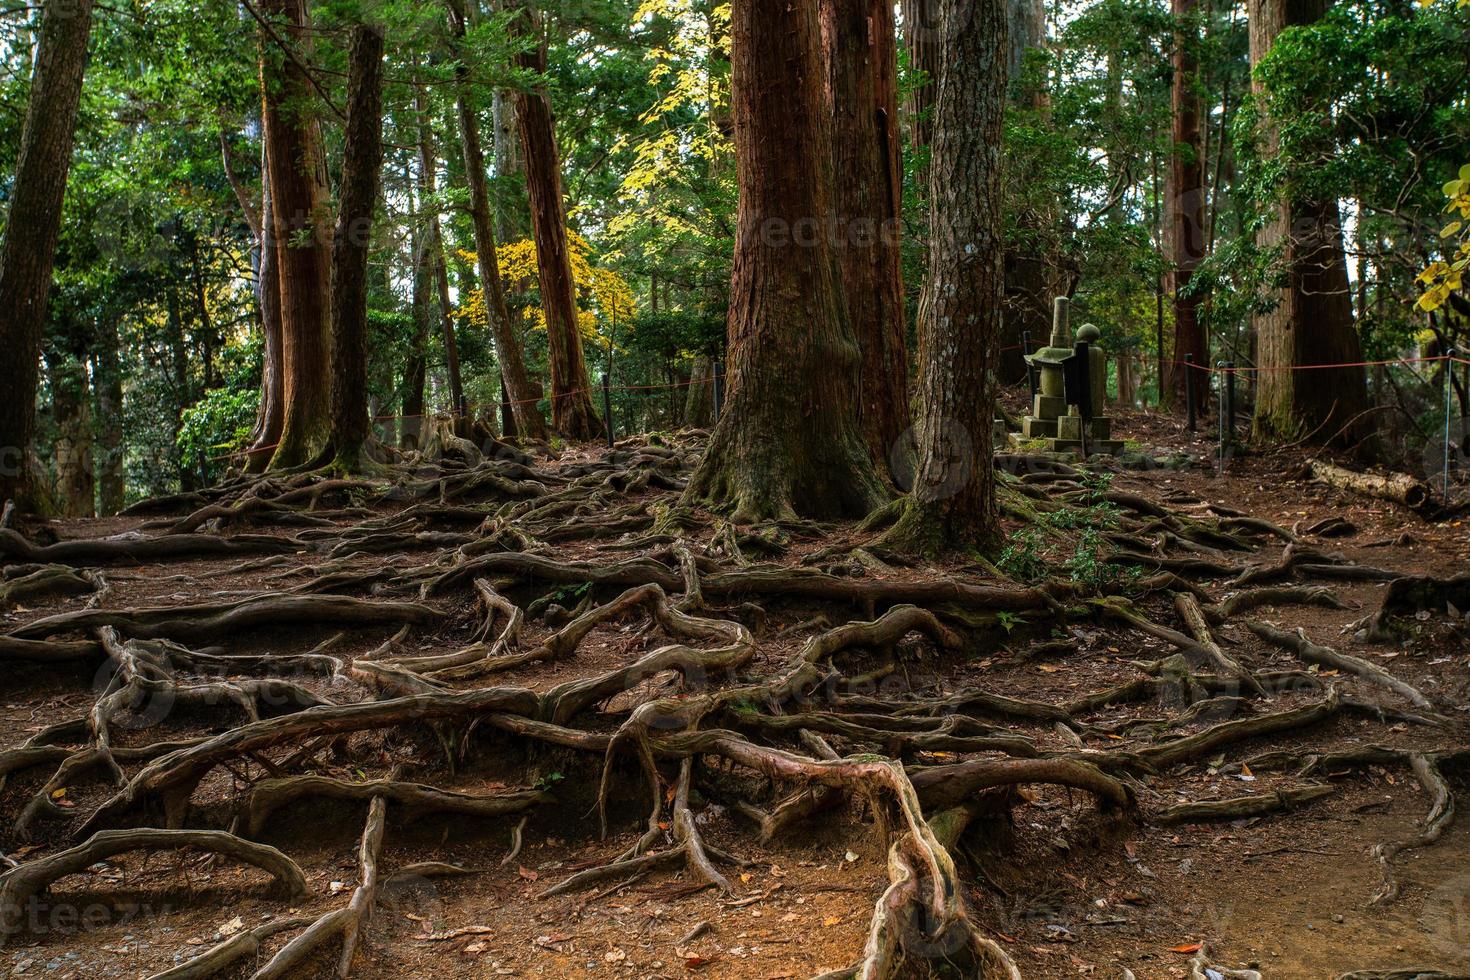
527 873
1187 948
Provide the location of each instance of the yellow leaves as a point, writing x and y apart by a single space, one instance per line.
603 295
1442 278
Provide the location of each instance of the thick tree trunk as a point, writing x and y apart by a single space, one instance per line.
788 441
572 413
923 35
31 232
952 505
302 239
71 408
1186 201
862 85
529 423
1313 320
108 390
362 158
271 417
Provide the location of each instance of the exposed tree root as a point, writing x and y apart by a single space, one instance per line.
1322 656
19 886
1441 815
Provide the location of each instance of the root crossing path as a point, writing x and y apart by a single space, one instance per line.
504 716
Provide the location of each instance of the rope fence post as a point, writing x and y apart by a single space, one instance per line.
1230 401
1030 368
1189 390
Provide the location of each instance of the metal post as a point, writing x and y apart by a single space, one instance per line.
1230 401
1449 387
607 408
1189 389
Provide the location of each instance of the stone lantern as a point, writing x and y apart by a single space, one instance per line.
1050 403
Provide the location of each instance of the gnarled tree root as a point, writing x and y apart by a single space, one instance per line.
20 885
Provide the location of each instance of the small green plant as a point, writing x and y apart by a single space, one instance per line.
1024 557
1089 566
1008 621
549 780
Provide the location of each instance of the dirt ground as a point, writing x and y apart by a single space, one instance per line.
1065 887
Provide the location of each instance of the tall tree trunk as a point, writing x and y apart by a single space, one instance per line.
512 213
107 378
952 505
699 404
923 35
362 158
434 245
1313 320
298 182
31 232
1186 197
572 413
272 414
529 423
788 441
71 407
415 364
862 85
1028 279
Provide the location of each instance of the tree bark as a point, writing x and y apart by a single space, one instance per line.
362 158
788 441
434 245
572 413
31 232
1186 195
1313 320
298 182
952 505
861 52
699 404
529 423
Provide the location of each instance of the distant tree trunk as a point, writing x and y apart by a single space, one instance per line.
572 413
31 232
362 158
107 377
952 505
434 245
922 34
788 441
271 416
1029 279
529 423
862 85
1313 322
415 364
71 408
1126 384
298 191
1186 197
511 210
699 405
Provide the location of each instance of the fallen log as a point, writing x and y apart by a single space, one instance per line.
1400 488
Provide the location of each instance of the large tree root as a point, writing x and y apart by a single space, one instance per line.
270 795
212 620
1310 652
140 549
1441 815
19 886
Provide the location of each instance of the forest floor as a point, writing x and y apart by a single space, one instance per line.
486 574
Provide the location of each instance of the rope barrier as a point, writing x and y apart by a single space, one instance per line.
1142 358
